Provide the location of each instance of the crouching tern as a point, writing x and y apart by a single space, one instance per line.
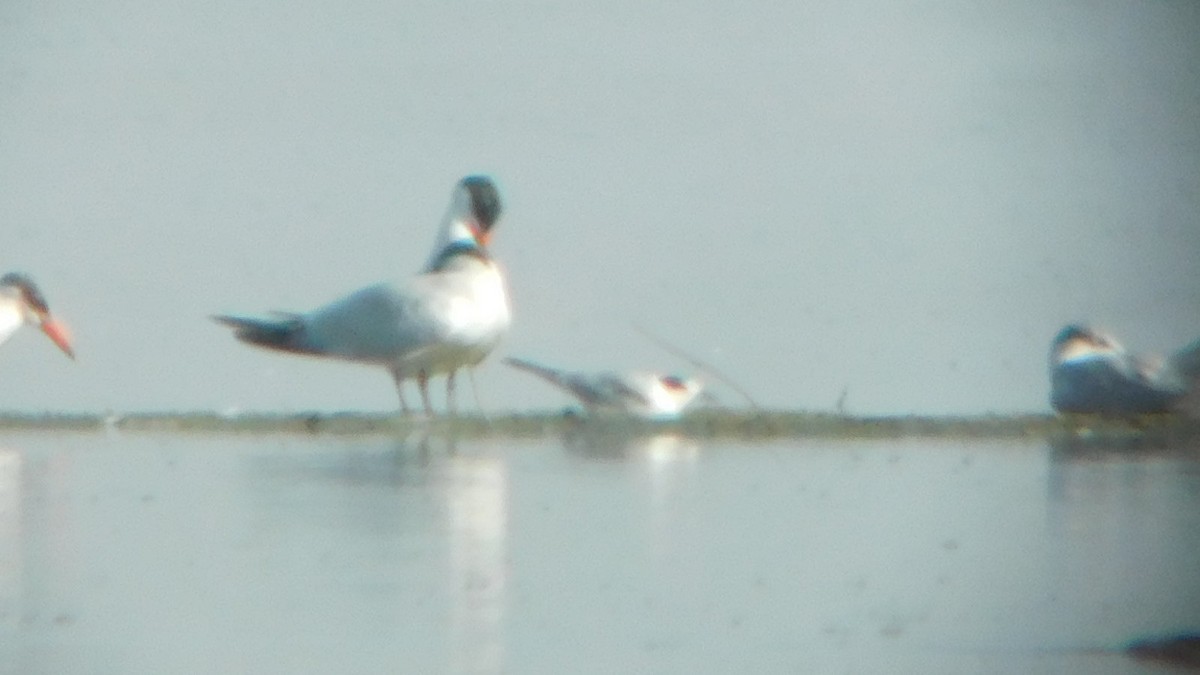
450 316
21 303
1092 373
645 395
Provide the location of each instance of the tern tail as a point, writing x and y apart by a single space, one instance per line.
284 334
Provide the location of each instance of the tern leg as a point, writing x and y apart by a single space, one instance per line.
451 408
423 385
399 380
475 394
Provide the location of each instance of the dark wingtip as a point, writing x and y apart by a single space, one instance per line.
283 334
523 364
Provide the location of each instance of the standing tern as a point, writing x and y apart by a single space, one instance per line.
22 303
645 395
449 316
1092 373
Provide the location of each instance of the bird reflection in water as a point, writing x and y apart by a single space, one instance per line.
662 464
10 536
477 523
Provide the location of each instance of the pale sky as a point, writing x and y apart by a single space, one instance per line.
904 201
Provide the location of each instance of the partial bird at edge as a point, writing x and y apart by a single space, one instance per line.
1092 373
21 304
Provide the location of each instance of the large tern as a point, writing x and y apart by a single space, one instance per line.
450 316
1091 372
21 303
640 394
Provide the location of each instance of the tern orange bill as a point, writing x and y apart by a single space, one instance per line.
21 304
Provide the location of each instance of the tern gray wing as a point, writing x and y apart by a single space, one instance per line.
604 390
378 323
608 389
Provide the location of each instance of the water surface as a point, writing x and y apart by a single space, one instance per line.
279 553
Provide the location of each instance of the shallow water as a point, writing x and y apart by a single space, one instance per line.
278 553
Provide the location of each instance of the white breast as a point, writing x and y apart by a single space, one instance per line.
11 318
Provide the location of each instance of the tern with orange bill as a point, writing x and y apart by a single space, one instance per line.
448 317
21 304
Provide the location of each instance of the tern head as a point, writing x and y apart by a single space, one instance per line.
678 392
1080 342
29 306
483 201
475 208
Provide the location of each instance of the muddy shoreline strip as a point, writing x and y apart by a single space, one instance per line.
701 425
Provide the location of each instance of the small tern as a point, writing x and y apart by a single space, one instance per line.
1091 372
640 394
22 303
450 316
